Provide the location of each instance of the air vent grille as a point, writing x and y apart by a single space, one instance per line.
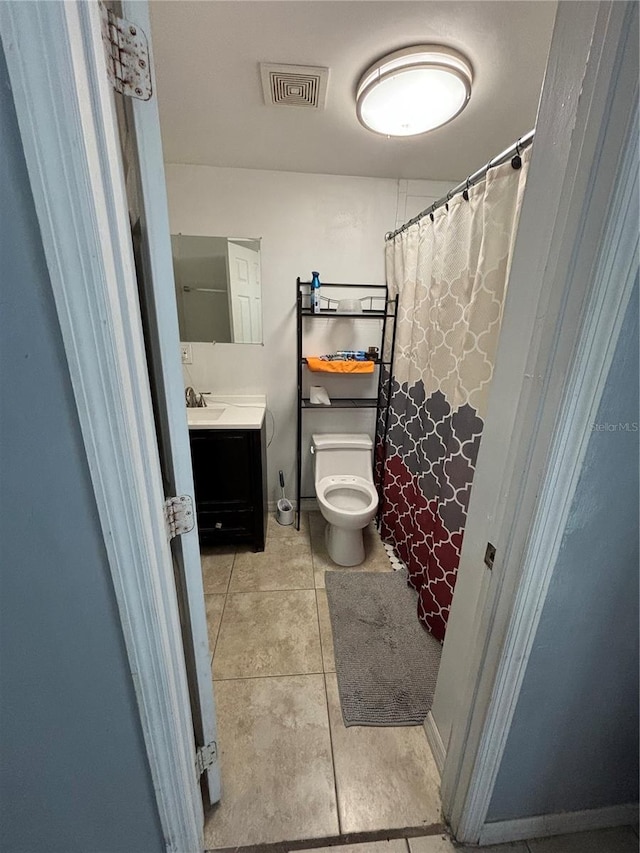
294 85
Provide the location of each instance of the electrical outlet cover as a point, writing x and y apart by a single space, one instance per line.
185 353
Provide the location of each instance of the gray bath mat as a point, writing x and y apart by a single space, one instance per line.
386 662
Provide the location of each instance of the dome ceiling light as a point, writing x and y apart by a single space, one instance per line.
414 90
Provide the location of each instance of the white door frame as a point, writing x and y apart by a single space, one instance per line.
64 107
57 76
171 411
574 266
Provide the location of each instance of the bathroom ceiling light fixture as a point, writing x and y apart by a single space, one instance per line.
414 90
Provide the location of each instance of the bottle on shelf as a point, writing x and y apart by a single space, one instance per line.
315 292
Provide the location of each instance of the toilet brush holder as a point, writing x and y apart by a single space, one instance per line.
284 512
284 507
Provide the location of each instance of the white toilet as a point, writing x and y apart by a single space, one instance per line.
344 488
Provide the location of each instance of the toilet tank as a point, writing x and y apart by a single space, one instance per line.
340 454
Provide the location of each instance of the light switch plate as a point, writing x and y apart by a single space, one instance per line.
185 353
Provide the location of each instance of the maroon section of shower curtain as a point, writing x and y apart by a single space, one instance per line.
431 452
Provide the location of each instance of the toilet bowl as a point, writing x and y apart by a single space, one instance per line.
346 495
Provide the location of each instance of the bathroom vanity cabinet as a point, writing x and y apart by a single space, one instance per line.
230 476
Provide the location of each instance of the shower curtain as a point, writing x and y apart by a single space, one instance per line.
450 275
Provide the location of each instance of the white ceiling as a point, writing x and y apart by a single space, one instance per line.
212 112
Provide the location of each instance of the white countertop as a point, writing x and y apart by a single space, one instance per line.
226 411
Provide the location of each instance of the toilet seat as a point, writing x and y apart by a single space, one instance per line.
347 500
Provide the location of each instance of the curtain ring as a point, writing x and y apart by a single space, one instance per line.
431 216
465 191
446 204
516 160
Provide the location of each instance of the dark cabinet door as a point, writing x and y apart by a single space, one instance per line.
222 464
229 471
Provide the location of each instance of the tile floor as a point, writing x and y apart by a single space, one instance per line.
290 768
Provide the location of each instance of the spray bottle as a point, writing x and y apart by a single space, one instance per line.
315 292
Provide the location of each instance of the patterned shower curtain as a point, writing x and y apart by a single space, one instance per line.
450 275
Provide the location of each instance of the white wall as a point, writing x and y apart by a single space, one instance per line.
416 196
329 223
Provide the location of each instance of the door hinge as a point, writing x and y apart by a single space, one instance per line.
127 54
206 757
178 515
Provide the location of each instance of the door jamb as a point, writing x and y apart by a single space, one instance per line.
576 321
56 66
160 297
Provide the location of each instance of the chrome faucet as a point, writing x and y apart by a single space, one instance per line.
193 399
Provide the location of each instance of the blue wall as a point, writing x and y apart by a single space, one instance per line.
73 768
573 744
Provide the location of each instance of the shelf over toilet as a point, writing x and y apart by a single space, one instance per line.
385 311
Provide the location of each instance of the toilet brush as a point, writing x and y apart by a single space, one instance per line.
284 507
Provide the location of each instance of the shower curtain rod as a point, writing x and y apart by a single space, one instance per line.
507 154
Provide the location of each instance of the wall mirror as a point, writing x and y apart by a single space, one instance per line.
218 288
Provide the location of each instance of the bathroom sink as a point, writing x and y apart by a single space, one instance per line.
242 411
205 416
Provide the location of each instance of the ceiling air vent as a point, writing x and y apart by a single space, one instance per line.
294 85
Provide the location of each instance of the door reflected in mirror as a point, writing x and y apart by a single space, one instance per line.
218 288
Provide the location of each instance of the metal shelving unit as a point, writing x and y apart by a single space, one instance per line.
388 313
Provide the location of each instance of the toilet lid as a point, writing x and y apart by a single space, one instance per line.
341 441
